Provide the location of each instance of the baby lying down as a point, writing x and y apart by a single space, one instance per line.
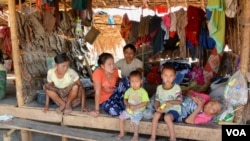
197 108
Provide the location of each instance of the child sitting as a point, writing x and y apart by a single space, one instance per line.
135 99
168 95
197 108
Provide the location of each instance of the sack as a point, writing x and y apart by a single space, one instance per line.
236 92
92 35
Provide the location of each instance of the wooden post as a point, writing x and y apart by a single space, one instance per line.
244 52
20 5
26 135
6 136
15 52
63 137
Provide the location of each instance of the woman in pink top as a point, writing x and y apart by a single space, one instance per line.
105 79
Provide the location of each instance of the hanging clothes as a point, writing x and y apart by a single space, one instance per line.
173 22
181 16
231 8
216 23
172 43
133 33
156 34
204 39
143 26
194 18
125 28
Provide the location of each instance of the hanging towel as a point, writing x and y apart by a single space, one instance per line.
216 23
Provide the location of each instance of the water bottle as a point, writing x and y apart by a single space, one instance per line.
78 26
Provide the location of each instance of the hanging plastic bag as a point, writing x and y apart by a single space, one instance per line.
236 90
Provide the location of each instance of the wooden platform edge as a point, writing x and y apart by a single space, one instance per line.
105 122
31 113
196 132
52 129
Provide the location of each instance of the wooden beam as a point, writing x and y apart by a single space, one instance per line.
26 135
58 130
244 53
6 136
196 132
31 113
15 51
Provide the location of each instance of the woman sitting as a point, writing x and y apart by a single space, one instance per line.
105 79
64 86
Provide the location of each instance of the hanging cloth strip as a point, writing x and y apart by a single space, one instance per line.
216 23
181 23
125 28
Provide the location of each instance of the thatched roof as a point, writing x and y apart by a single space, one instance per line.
117 3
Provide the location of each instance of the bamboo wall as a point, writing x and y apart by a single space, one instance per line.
234 34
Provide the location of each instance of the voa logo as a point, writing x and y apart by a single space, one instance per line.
236 132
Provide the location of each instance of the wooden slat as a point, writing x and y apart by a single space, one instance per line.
31 113
57 130
197 132
78 119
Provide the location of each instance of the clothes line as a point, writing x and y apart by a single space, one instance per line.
135 13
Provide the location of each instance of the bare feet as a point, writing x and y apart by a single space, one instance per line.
68 110
45 109
151 139
120 136
60 109
84 109
135 138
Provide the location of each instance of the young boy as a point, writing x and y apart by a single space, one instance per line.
135 98
167 102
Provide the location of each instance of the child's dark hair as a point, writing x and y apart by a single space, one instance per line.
131 46
103 57
135 73
60 58
168 67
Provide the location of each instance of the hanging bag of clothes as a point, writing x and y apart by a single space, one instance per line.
236 92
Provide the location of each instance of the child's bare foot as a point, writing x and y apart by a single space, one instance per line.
120 136
135 138
151 139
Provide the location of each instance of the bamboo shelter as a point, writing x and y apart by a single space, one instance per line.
35 38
